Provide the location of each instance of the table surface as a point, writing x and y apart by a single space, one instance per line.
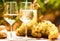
16 38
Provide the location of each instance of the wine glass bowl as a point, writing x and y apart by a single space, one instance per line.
10 18
27 15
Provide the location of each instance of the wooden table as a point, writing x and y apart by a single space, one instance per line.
16 38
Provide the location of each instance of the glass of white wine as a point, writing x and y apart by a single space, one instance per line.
11 14
28 15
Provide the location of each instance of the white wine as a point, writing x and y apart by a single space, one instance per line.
10 18
28 15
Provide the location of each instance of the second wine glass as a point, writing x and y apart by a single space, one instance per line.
28 17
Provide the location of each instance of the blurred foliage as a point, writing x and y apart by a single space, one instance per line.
44 5
54 4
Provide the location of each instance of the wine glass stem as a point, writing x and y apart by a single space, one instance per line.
11 32
26 31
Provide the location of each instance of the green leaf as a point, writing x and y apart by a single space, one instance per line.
3 1
42 0
41 4
56 5
52 1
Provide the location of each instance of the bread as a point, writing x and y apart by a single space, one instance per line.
3 34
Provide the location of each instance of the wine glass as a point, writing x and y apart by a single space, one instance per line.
27 15
11 14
